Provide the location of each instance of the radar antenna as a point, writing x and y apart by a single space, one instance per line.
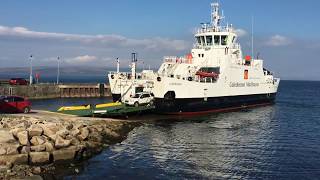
215 16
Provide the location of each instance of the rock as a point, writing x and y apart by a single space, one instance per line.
61 143
6 136
112 134
38 148
49 146
35 130
75 141
12 149
64 154
50 129
4 168
39 157
16 130
25 150
3 150
37 140
68 126
23 137
84 133
22 125
75 132
9 148
63 133
95 136
36 170
14 159
78 126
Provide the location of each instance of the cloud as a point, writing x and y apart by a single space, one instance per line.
278 40
241 32
112 40
81 59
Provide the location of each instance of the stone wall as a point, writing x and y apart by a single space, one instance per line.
44 91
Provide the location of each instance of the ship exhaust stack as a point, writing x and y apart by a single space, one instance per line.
134 57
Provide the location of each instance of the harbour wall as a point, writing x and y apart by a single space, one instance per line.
45 91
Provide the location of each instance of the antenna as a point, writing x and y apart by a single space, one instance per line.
252 47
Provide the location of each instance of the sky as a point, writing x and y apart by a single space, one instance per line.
93 33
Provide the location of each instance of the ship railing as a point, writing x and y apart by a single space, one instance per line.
211 29
127 75
213 46
114 72
176 60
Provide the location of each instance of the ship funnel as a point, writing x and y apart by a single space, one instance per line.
134 59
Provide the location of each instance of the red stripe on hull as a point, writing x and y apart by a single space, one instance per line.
220 110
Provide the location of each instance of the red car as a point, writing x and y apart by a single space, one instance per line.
18 81
14 104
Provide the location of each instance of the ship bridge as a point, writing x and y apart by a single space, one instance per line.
215 35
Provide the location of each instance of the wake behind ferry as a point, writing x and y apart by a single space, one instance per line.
213 77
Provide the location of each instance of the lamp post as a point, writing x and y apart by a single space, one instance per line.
30 77
58 72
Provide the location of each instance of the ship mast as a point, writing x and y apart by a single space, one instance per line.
216 17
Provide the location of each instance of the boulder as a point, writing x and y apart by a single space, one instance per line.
36 170
64 154
25 150
50 129
49 146
35 130
95 136
14 159
38 148
37 140
110 133
12 149
75 132
75 141
16 130
84 133
78 126
63 133
23 137
22 125
68 126
61 143
6 136
39 157
3 151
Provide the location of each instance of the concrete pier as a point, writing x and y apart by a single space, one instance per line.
44 91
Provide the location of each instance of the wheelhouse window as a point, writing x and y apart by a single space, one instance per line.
209 40
198 40
233 39
224 40
216 40
203 42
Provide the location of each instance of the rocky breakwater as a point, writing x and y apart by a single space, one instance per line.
33 143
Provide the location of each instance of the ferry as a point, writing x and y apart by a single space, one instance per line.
214 77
